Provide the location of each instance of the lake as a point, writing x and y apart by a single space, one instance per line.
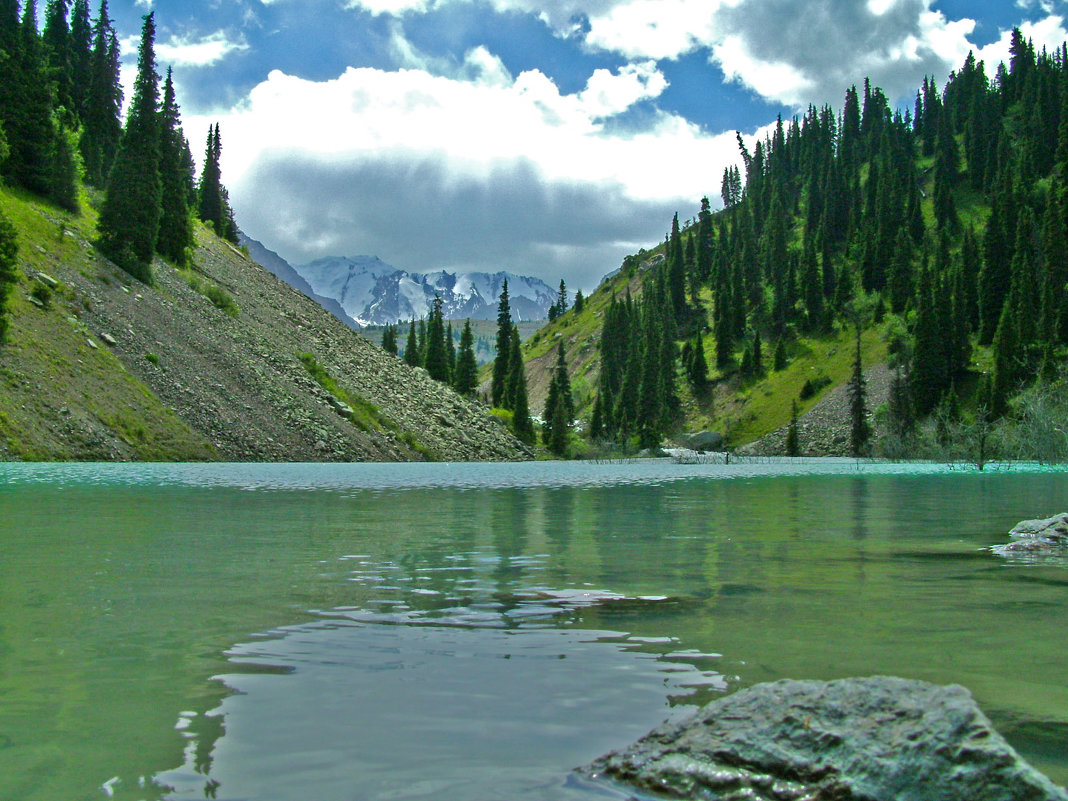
474 631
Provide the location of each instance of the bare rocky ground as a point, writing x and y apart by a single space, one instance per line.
825 429
114 369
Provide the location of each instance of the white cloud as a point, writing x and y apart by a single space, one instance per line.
776 79
184 51
489 172
1048 33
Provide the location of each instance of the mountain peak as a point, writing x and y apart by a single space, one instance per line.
373 292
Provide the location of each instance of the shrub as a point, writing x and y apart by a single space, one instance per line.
812 386
42 293
221 299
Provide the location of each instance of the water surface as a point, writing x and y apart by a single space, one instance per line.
475 631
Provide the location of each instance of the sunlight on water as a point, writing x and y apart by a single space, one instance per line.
369 631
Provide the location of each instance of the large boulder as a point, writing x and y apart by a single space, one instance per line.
1037 538
704 441
875 739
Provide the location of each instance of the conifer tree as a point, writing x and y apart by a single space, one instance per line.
697 364
8 275
27 106
501 362
411 348
450 350
129 220
516 399
465 377
210 205
175 227
81 51
580 302
436 360
57 46
101 121
389 339
559 407
860 431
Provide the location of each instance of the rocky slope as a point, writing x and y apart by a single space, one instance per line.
204 364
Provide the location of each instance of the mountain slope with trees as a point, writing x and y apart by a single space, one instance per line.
940 231
131 327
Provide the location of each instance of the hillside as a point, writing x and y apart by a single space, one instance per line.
222 361
941 236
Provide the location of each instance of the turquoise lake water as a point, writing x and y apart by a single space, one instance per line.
477 631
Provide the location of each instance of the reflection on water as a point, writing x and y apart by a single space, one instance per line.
473 631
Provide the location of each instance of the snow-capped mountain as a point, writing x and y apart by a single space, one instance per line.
374 293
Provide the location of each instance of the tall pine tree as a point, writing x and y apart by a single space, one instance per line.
501 362
175 227
129 220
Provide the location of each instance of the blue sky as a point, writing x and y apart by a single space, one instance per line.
546 138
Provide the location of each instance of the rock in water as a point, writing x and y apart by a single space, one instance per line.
1037 538
876 739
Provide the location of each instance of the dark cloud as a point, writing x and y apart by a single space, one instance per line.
837 43
419 217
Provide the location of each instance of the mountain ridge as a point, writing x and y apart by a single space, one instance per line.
372 292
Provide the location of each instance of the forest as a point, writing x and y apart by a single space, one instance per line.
62 137
950 218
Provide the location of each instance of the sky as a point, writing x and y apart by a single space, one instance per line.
544 138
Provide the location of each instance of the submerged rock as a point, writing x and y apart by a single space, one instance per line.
1037 538
852 739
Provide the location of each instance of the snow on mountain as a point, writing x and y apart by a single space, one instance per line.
375 293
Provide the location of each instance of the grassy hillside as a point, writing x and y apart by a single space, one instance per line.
220 361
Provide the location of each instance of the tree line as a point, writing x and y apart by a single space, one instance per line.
952 215
61 126
429 345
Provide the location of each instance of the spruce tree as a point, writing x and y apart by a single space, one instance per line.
57 45
516 399
859 432
559 407
389 339
81 52
175 236
436 360
450 350
411 348
501 362
27 107
129 220
8 276
697 366
210 205
101 121
465 377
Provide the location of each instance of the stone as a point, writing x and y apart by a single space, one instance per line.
847 740
108 339
47 280
1046 537
704 441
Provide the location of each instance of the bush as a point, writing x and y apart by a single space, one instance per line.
812 386
42 293
221 299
